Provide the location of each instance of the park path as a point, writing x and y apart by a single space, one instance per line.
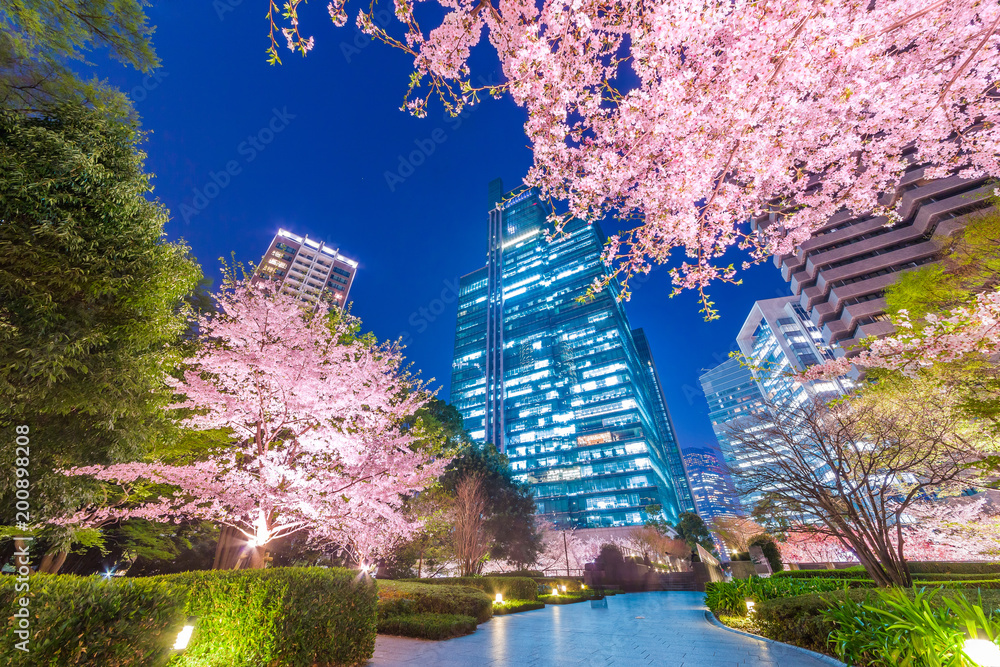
636 629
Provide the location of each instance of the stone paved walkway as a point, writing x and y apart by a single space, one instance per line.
637 629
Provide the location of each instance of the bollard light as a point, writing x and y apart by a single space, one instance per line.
750 604
499 598
184 636
563 587
555 590
983 652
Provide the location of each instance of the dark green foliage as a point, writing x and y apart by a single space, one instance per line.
693 530
427 626
516 606
567 598
426 598
770 549
845 573
798 619
294 617
572 584
91 298
611 562
94 621
955 568
519 588
510 504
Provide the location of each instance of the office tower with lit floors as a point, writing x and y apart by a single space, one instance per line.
555 378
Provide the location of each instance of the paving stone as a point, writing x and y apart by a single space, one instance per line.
673 633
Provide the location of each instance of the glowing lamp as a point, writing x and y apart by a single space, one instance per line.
499 598
183 637
750 604
555 590
982 652
563 587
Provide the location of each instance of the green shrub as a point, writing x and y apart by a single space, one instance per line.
295 617
953 568
567 598
427 626
93 621
516 588
729 597
844 573
570 583
430 599
908 627
798 619
515 606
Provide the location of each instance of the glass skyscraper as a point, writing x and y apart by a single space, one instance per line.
556 379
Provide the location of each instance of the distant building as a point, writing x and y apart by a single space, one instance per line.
839 275
308 269
778 341
555 379
711 485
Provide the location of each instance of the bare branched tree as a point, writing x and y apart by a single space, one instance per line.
470 538
736 532
853 468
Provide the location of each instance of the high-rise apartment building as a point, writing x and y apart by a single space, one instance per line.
555 379
308 269
839 275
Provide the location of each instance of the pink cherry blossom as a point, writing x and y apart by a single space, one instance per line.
318 443
687 119
965 330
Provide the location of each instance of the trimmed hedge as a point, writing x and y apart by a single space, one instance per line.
917 569
516 606
563 599
93 621
516 588
294 617
846 573
411 597
798 620
570 583
953 568
427 626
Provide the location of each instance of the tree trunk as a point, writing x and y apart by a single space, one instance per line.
52 561
229 549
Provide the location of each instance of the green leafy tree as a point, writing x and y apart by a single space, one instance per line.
91 299
693 530
770 549
40 42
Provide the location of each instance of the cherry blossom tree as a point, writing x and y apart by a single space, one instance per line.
802 545
315 416
686 119
970 329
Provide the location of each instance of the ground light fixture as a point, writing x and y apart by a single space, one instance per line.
563 587
750 604
983 652
184 636
499 599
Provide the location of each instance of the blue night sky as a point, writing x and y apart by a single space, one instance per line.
323 171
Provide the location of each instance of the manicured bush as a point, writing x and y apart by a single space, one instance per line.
563 598
294 617
570 583
427 626
515 606
516 588
431 599
798 619
92 621
728 597
845 573
953 568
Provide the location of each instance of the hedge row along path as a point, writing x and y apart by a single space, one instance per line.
661 628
